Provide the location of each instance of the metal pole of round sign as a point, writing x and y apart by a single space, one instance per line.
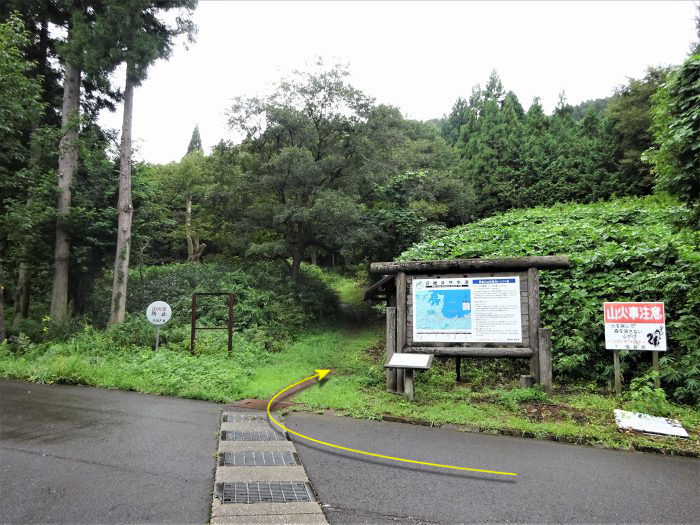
158 313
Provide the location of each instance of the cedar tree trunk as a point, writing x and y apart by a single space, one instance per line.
297 257
67 163
188 229
22 294
125 209
2 307
194 248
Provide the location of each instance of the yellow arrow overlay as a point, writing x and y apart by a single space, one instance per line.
320 374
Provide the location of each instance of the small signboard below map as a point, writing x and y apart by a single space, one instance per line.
417 361
467 310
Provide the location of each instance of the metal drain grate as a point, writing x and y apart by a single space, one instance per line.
252 435
250 458
240 418
264 492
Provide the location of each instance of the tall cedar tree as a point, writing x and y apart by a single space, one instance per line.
82 50
20 240
20 108
629 112
675 156
142 38
195 141
193 159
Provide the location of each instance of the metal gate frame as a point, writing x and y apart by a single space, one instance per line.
230 302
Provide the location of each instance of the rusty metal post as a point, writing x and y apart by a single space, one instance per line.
231 299
194 321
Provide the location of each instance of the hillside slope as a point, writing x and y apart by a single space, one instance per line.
632 249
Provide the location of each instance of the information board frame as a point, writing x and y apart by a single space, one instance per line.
465 347
458 309
395 286
230 303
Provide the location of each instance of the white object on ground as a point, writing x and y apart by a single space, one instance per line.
649 424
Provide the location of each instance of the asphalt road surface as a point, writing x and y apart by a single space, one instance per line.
87 455
556 483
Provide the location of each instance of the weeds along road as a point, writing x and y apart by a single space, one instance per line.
556 483
72 454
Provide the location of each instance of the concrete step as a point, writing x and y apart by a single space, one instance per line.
291 473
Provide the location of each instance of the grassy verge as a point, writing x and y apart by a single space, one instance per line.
90 358
580 414
577 414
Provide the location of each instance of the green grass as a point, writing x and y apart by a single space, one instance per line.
88 358
489 400
337 349
350 291
577 414
355 388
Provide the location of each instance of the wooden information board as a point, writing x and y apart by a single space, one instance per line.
466 308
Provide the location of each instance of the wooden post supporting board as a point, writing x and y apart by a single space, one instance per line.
618 376
545 358
401 321
655 364
526 381
390 347
408 383
401 311
533 300
458 368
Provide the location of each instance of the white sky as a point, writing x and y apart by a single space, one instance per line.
419 56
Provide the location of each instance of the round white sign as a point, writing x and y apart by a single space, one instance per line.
158 312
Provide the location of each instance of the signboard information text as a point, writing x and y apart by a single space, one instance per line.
467 310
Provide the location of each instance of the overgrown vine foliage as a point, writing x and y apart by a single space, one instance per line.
629 249
676 126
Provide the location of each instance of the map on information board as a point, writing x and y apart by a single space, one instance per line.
467 310
444 309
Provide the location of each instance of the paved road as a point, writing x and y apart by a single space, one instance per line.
556 483
87 455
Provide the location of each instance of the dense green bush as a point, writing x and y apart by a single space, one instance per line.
643 397
267 301
632 249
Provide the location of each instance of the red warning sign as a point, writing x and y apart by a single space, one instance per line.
635 326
